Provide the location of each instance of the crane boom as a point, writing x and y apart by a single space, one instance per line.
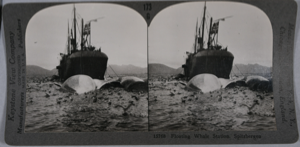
94 20
222 19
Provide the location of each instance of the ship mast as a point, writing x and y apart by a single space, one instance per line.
203 23
74 43
196 38
68 39
209 35
82 35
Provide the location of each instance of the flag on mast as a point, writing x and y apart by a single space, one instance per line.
87 29
215 28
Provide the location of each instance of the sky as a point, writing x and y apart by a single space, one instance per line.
247 33
121 34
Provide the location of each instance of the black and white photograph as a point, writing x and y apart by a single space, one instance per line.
210 68
86 69
207 72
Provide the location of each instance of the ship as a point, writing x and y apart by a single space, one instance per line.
208 57
86 59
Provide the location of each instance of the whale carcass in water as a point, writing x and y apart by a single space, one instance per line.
258 83
83 83
227 83
103 83
204 82
99 83
134 83
79 84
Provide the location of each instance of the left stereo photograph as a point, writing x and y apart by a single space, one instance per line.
86 69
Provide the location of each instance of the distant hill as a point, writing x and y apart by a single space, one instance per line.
54 71
33 70
179 70
237 69
125 70
159 69
156 68
251 69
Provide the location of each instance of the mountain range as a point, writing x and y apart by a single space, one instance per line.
237 69
33 70
156 69
159 69
125 70
251 69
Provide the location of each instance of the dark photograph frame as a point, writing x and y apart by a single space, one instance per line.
283 29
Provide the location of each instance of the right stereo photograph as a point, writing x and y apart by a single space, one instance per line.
210 68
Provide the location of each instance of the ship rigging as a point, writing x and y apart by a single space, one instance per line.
87 60
214 58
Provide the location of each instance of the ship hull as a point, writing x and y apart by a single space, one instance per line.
216 62
91 63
